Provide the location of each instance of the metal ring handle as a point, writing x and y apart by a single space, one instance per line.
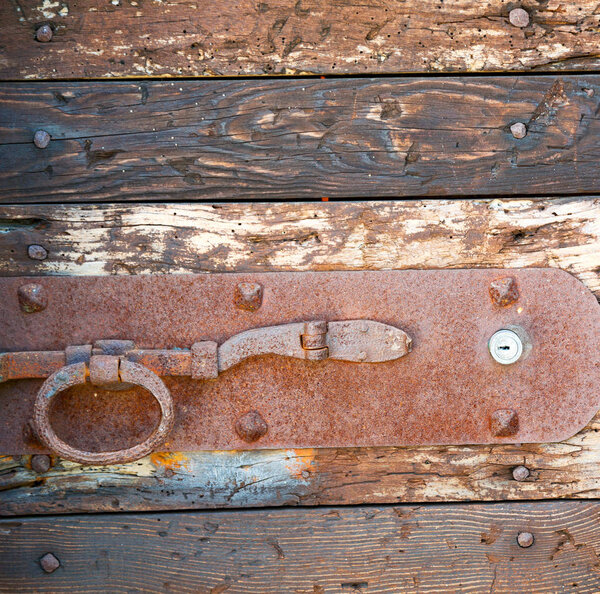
73 375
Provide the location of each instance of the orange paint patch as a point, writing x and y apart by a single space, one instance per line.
169 460
301 463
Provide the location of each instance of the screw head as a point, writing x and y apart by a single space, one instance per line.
49 563
506 347
519 130
251 426
37 252
44 33
520 473
32 298
41 139
518 17
40 463
525 539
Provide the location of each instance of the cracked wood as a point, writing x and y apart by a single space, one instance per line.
180 238
435 548
125 38
282 139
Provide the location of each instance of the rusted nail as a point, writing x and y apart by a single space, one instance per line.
248 296
504 422
519 130
520 473
41 139
37 252
504 291
32 298
41 463
44 33
525 539
518 17
49 563
251 426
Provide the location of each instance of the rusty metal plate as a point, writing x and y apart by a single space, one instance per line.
447 390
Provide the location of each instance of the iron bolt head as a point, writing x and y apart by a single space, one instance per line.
37 252
525 539
248 296
504 422
32 298
518 17
40 463
44 33
506 347
504 291
519 130
49 563
251 426
41 139
520 473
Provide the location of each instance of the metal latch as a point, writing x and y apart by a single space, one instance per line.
108 363
277 360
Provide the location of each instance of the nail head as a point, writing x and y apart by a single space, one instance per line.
519 130
44 33
41 139
49 563
518 17
525 539
520 473
37 252
251 426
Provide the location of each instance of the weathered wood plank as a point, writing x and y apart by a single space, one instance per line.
450 548
173 38
282 139
180 238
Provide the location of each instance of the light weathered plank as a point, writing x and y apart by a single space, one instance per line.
174 38
281 139
180 238
450 548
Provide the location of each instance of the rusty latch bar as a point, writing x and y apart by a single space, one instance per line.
109 363
331 359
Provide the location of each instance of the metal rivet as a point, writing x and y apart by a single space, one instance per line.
37 252
519 130
518 17
504 291
251 426
506 347
32 298
41 139
248 296
49 563
44 33
525 539
41 463
520 473
504 422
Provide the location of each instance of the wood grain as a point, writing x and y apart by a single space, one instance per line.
308 139
450 548
194 38
180 238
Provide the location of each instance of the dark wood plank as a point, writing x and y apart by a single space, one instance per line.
180 238
173 38
282 139
450 548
